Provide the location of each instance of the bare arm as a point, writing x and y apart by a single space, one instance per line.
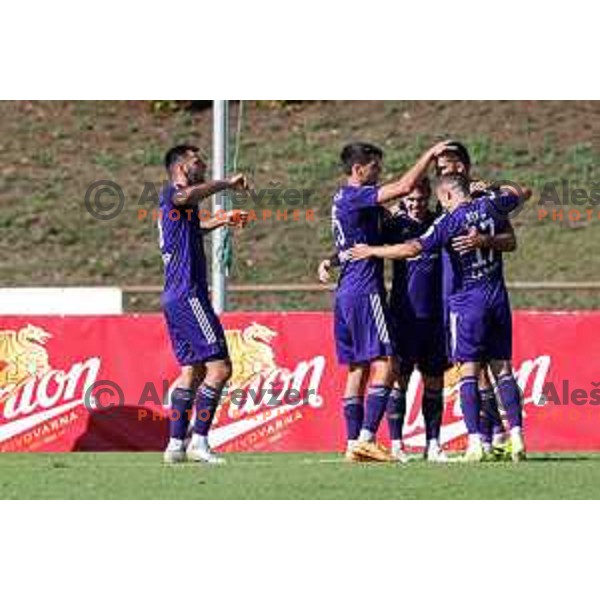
406 183
410 249
193 194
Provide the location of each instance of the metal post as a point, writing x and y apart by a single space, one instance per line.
220 142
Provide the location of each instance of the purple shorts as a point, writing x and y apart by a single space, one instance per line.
480 325
196 333
361 328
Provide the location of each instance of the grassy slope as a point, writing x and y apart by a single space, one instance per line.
51 151
297 476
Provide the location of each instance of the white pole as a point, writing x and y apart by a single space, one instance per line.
220 140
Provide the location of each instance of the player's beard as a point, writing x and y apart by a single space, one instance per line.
195 175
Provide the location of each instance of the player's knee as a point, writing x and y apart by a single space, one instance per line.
218 373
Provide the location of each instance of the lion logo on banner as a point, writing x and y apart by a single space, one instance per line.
22 355
251 353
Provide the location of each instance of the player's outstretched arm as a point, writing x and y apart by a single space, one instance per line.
410 249
406 183
193 194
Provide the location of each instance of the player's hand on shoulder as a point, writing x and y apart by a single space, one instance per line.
479 186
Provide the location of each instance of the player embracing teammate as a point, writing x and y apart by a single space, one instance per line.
479 312
362 319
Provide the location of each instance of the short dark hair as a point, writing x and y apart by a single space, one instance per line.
359 153
424 184
460 151
176 153
456 181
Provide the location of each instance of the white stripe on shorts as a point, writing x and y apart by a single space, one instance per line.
379 318
202 319
453 327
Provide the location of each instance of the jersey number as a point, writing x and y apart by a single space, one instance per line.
485 257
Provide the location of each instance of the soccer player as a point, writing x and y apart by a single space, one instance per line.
361 318
457 160
480 315
196 334
417 320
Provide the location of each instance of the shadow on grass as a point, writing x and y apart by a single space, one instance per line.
562 458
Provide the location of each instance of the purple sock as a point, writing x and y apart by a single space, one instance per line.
433 409
486 421
354 413
470 403
207 400
377 399
489 407
510 394
181 406
396 410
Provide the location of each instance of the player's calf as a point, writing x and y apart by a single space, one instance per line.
396 411
207 400
511 398
377 397
470 402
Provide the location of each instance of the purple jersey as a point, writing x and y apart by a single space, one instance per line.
416 283
355 217
480 267
182 249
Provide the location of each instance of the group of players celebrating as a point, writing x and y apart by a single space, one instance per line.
448 303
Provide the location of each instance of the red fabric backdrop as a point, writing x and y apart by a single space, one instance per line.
85 383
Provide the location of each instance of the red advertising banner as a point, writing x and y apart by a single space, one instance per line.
99 383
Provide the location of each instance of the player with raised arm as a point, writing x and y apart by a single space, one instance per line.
480 315
457 160
361 317
196 334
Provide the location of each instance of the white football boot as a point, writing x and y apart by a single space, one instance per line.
517 445
198 450
398 453
175 452
435 454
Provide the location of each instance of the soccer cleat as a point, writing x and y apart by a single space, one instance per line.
350 457
399 455
200 453
501 451
371 452
436 455
517 448
473 454
175 452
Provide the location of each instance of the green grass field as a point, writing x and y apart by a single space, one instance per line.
292 476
